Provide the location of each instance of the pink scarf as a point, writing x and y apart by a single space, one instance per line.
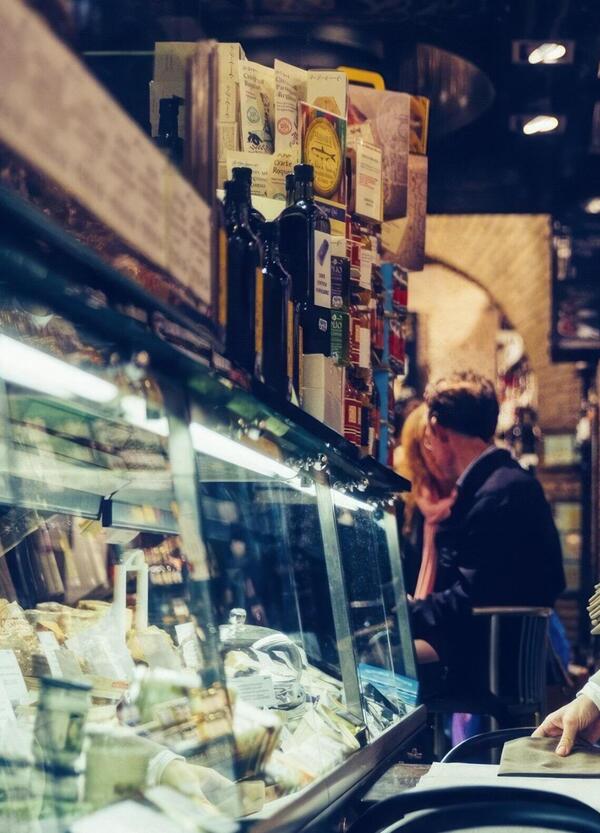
434 511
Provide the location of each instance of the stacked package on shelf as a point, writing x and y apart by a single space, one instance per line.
387 138
322 136
367 149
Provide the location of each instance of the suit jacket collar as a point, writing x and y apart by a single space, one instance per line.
478 474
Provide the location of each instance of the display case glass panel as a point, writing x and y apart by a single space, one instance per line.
112 681
377 603
280 634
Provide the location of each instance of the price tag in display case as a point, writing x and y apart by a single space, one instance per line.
256 689
50 647
12 677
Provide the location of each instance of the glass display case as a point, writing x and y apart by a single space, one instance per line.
202 612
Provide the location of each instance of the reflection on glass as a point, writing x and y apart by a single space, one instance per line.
274 605
388 689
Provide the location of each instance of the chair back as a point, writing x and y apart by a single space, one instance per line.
518 649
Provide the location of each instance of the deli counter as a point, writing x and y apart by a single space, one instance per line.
203 622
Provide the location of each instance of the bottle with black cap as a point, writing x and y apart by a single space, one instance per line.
244 282
290 187
299 223
256 219
278 316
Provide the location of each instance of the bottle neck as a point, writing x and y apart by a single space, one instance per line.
270 250
248 194
289 195
303 191
241 211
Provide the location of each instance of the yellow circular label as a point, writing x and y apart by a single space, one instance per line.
322 150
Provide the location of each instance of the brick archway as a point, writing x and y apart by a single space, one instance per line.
509 256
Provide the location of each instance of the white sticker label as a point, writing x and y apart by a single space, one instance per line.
367 258
364 356
369 193
7 714
322 266
257 689
188 641
50 647
12 677
185 631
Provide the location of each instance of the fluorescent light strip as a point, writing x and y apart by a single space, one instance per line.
223 448
134 411
343 501
23 365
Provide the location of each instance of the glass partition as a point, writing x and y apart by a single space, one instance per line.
279 631
378 610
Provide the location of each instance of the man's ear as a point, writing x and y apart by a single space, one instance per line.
441 433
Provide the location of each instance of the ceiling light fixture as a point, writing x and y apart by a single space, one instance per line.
592 205
540 124
23 365
547 53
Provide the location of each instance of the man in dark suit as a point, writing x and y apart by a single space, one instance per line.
499 546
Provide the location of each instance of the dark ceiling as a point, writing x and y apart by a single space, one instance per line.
483 166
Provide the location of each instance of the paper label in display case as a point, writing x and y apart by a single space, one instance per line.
322 270
50 647
256 689
12 677
188 642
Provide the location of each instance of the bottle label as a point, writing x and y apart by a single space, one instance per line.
322 270
258 315
222 277
290 340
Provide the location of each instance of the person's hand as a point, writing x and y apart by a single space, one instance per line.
212 791
580 717
197 782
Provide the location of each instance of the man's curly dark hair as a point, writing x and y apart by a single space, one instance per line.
465 403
